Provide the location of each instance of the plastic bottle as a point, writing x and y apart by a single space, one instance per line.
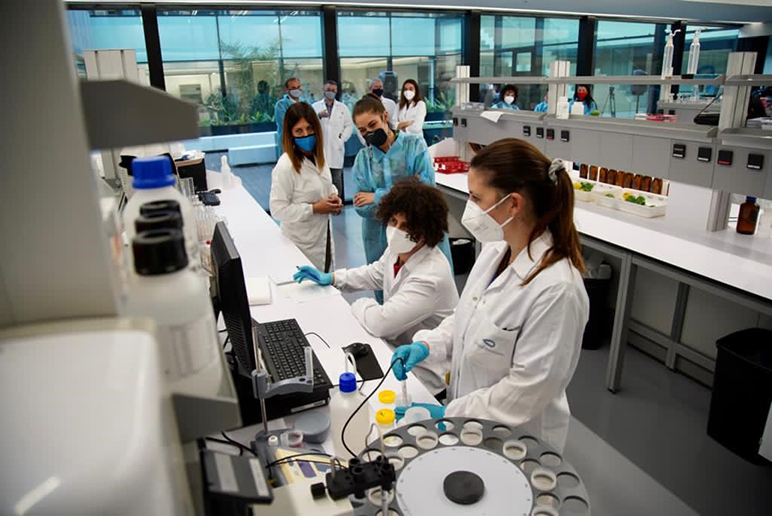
694 54
174 296
154 181
227 175
342 405
385 420
749 214
764 226
562 108
667 58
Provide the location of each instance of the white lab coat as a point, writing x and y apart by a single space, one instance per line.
421 295
515 348
337 130
416 113
292 196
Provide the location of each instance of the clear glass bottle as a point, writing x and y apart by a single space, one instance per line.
749 215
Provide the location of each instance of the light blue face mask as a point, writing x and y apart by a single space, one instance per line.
306 143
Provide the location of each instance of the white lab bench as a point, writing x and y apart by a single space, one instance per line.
723 263
266 252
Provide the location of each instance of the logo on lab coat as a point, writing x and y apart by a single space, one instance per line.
490 343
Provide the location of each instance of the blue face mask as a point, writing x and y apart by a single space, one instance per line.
306 143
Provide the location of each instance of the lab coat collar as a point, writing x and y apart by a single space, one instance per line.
411 263
378 154
524 264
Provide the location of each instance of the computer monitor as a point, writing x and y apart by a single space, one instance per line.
231 292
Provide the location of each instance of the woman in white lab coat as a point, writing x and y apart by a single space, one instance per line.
302 193
412 109
337 126
516 334
418 287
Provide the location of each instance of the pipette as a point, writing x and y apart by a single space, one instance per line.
405 395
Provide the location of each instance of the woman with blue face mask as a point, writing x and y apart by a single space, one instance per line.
515 336
302 194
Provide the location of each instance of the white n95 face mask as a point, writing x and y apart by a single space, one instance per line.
509 99
482 226
408 94
399 241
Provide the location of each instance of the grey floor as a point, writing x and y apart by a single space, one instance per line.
657 420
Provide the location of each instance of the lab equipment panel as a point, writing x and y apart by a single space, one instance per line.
485 132
616 150
651 156
689 168
586 146
557 146
737 177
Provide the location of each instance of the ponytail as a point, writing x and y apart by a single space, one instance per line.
514 165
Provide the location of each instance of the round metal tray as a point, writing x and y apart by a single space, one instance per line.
522 475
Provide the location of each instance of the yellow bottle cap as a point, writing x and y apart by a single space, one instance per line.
387 397
385 417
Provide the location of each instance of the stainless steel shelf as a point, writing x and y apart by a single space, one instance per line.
749 80
605 79
121 113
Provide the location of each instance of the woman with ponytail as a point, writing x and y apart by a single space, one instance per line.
516 334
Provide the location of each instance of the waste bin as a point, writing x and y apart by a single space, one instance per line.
462 252
742 391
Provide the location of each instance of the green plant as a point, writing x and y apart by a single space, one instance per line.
251 71
442 102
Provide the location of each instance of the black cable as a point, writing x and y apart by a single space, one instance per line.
223 330
291 457
320 338
226 341
223 441
236 443
343 431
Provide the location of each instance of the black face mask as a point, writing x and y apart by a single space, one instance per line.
377 137
378 91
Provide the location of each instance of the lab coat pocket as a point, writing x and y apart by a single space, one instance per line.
491 347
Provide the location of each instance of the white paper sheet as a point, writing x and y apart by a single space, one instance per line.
493 116
306 291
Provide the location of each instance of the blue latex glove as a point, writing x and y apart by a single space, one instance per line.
411 354
306 272
435 411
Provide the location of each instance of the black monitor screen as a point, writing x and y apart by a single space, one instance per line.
232 295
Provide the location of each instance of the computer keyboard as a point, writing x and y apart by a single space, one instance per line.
282 346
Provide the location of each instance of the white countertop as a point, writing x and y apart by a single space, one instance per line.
725 256
265 251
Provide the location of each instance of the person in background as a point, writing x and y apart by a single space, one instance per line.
516 334
542 106
337 127
412 109
302 194
376 87
417 283
388 157
507 98
292 95
582 94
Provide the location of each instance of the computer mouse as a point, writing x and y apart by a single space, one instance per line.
357 349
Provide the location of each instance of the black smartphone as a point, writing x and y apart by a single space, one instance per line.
209 198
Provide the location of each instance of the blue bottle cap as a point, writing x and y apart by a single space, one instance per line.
150 173
348 382
750 198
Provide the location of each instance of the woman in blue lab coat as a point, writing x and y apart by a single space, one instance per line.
582 94
388 157
507 98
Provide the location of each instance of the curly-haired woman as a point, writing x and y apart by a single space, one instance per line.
418 287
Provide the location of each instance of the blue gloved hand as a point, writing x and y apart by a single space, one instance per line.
411 354
435 411
306 272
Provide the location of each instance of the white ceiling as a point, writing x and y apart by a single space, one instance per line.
732 11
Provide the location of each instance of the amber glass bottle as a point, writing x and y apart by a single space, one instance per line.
749 215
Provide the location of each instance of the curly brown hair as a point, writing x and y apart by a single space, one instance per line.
423 206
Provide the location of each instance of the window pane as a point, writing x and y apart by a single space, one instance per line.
487 32
361 35
624 48
425 47
188 37
106 29
248 52
517 31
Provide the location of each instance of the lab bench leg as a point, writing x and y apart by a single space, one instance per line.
621 317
